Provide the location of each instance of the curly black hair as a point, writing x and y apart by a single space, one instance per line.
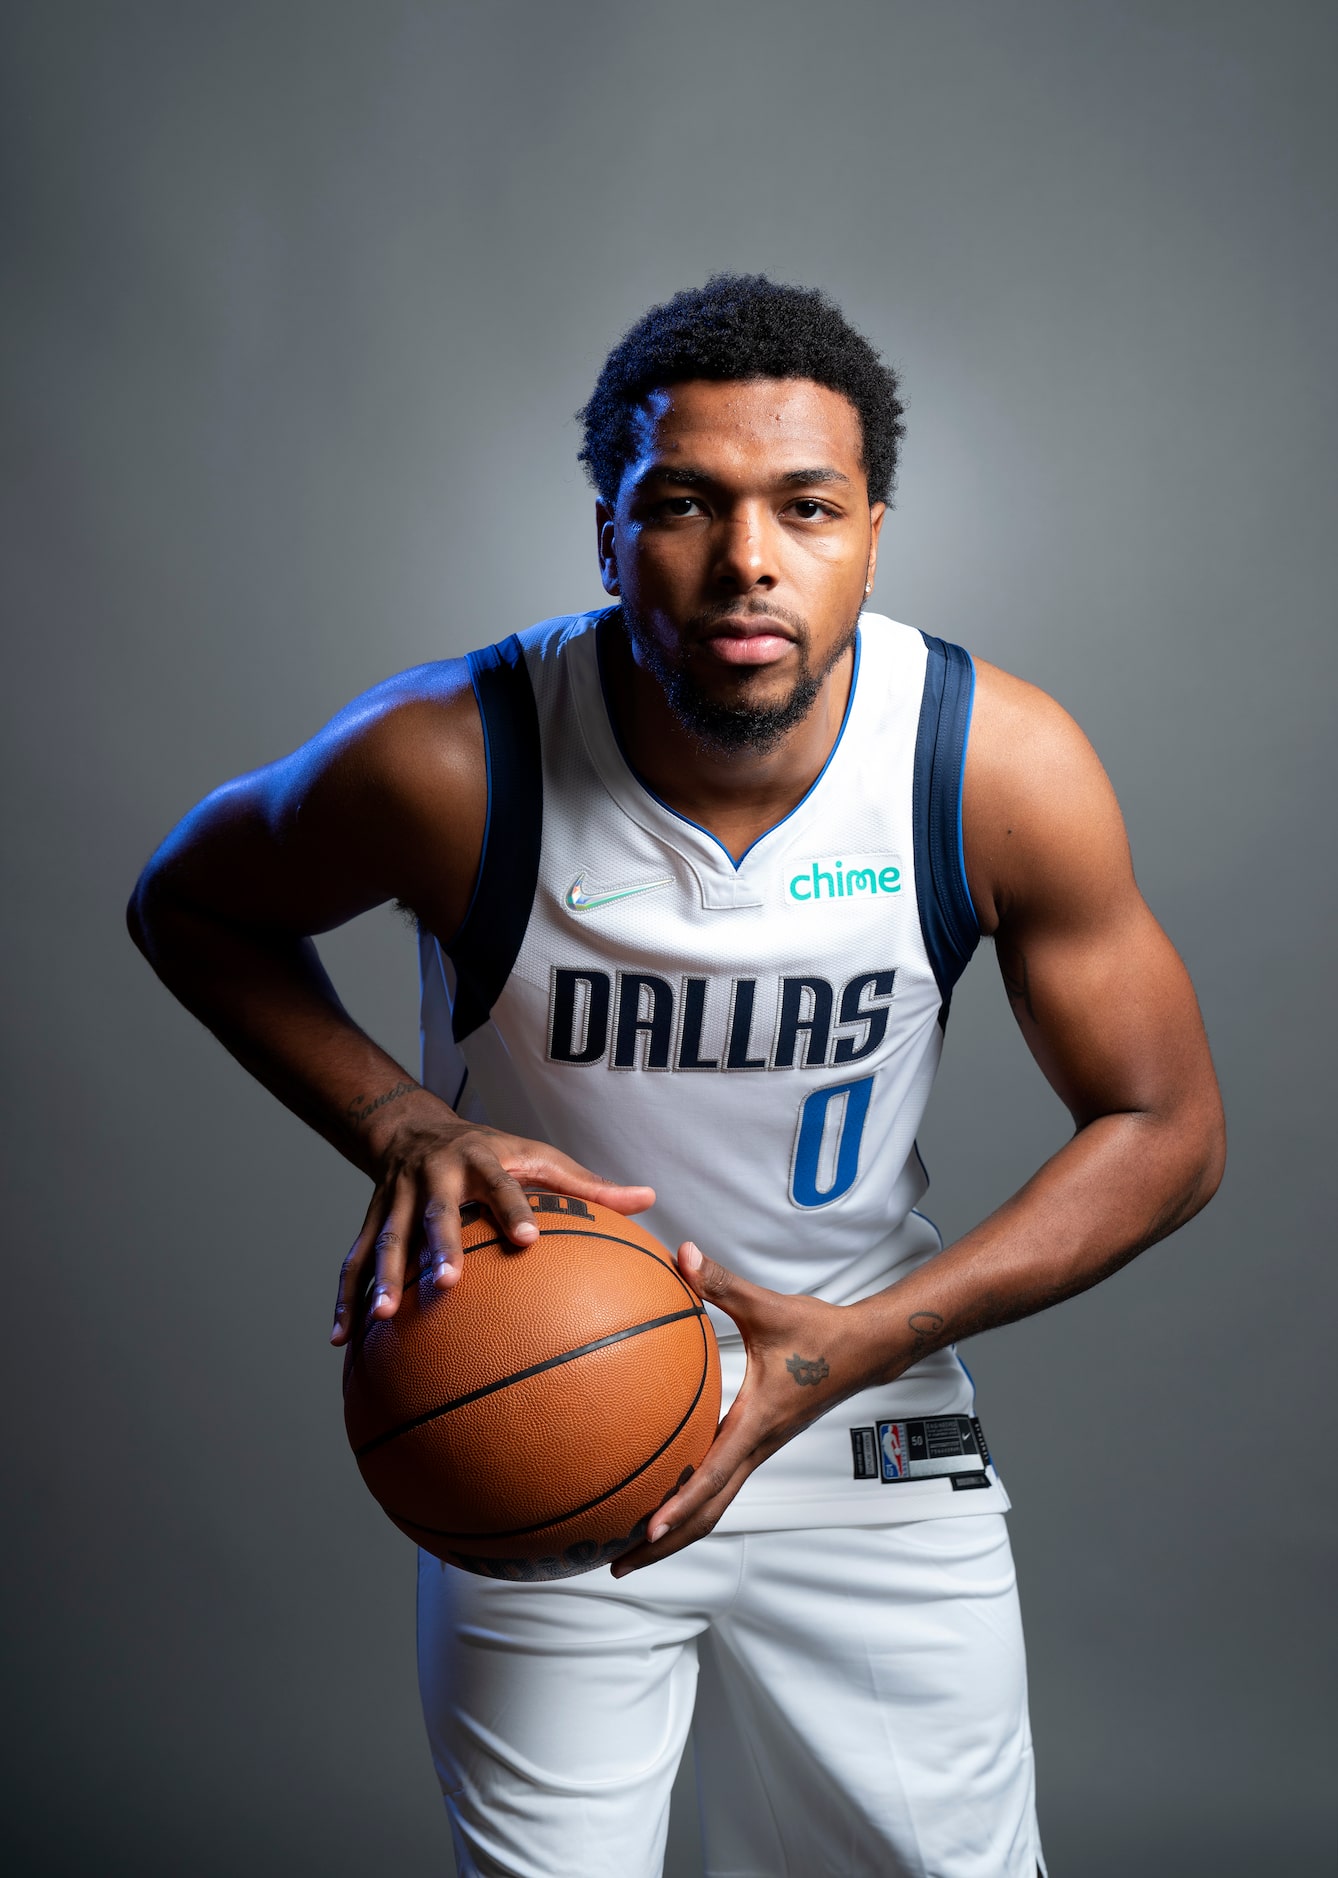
742 326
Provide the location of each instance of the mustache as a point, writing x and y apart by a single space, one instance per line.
701 624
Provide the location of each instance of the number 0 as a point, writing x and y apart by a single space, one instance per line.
814 1128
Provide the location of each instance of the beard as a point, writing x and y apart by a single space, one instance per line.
725 728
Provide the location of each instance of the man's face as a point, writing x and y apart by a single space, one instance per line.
741 545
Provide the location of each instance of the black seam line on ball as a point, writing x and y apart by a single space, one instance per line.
366 1323
420 1272
558 1519
522 1375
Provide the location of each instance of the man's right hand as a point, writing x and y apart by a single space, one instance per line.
429 1164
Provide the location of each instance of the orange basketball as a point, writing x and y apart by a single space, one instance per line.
527 1422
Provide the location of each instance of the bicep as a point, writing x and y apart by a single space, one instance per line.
1108 1012
1099 992
383 803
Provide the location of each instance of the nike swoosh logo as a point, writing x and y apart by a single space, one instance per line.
579 901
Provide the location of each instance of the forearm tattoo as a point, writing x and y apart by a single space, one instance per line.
362 1106
807 1370
925 1327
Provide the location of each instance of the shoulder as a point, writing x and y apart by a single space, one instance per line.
1019 731
405 738
1040 823
428 710
394 786
394 752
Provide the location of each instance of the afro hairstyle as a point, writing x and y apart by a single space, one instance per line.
741 326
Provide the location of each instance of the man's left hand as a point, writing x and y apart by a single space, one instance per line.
804 1356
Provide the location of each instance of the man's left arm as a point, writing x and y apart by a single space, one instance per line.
1107 1010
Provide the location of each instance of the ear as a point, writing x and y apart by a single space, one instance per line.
608 553
877 511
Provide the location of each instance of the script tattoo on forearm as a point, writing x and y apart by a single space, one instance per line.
362 1106
925 1327
807 1370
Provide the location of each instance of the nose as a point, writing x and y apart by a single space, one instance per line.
745 551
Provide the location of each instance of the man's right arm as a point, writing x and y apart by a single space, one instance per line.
388 802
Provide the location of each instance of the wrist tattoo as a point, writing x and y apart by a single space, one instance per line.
807 1370
925 1327
362 1106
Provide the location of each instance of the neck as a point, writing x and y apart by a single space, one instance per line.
736 795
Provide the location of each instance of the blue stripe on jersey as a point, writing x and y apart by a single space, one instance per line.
947 916
493 930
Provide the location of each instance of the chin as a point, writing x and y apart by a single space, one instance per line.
769 684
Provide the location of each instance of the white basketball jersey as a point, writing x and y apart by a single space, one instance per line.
755 1039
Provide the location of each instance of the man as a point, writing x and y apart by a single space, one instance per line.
694 879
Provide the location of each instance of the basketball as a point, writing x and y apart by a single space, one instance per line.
527 1422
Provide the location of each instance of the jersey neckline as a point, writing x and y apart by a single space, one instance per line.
686 820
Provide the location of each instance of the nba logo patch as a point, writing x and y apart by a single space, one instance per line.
892 1450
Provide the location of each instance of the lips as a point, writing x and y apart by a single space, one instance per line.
757 640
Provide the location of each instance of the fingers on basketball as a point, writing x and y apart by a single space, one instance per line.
561 1174
355 1260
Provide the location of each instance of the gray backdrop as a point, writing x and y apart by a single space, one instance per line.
299 301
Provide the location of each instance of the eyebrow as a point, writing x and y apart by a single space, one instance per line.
826 475
685 478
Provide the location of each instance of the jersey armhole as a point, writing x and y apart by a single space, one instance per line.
948 919
490 936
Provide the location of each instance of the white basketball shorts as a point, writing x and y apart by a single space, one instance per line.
859 1694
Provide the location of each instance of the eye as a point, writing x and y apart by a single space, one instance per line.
676 506
809 509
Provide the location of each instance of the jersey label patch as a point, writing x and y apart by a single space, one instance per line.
939 1447
864 1449
841 877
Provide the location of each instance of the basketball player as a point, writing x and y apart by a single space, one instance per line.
694 877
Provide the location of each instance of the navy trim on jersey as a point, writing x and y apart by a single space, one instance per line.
947 916
493 930
678 813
